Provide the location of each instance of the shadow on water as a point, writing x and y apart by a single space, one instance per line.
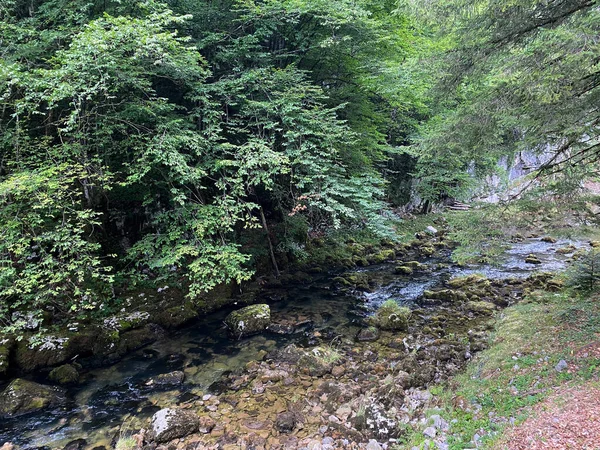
203 351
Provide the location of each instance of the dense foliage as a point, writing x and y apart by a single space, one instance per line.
518 76
146 140
194 141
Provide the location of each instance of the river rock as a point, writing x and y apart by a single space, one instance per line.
481 307
285 422
77 444
249 320
206 424
532 259
368 334
167 379
65 374
169 424
23 397
391 316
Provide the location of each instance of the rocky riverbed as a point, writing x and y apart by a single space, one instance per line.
322 375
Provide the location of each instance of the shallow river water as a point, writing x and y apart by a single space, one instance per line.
108 396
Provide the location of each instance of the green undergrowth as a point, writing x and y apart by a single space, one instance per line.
486 231
502 384
338 247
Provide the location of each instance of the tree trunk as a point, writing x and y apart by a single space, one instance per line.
272 253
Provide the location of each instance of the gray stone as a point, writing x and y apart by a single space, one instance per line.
430 432
562 365
373 445
167 379
169 424
368 334
431 230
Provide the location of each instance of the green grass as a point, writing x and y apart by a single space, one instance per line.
517 371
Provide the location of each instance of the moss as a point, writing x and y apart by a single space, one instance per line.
427 250
249 320
480 307
392 316
176 316
405 270
382 256
65 374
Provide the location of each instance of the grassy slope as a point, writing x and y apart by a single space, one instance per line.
503 384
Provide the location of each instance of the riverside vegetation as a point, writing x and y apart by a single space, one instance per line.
173 163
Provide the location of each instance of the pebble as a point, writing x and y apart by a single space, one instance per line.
562 365
430 432
373 445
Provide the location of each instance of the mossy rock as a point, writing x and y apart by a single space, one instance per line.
106 343
391 316
445 295
138 338
176 316
427 250
368 334
468 280
415 265
52 352
359 280
5 356
319 361
480 307
382 256
65 375
341 281
403 270
360 261
23 397
249 320
532 259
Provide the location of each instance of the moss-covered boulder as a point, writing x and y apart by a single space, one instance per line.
65 374
479 307
23 397
52 351
382 256
403 270
249 320
469 281
391 316
427 250
176 316
415 265
532 259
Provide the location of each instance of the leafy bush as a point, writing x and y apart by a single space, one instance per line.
584 273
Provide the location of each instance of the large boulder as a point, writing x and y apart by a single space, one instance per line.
169 424
249 320
23 397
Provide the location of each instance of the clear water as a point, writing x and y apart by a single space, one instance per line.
109 396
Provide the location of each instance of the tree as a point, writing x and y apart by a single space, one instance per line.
521 76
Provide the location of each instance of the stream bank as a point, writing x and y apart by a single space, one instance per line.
285 388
